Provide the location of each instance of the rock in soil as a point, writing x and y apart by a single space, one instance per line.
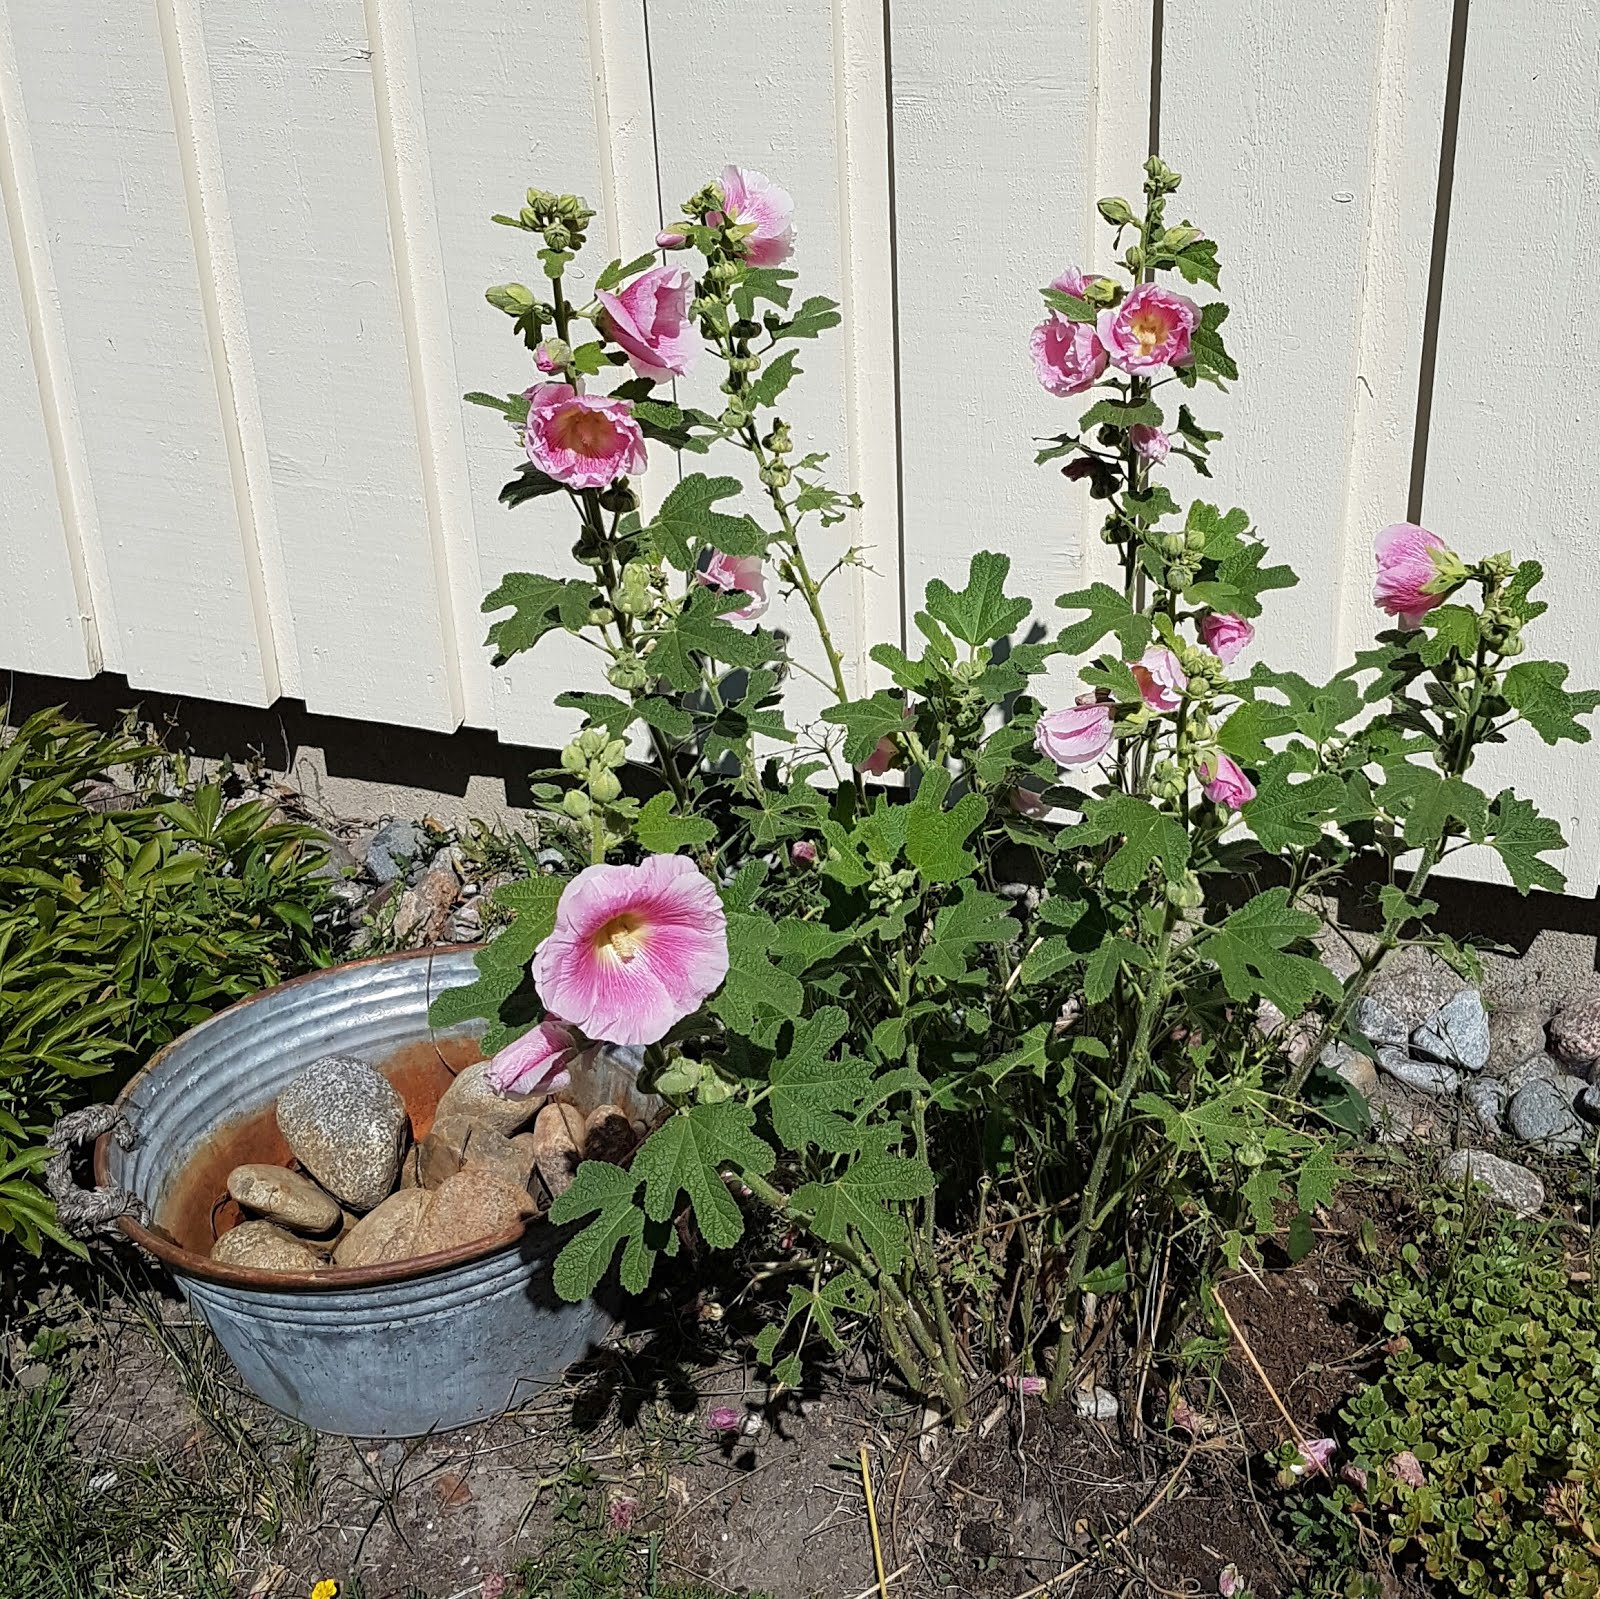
1537 1068
1458 1034
471 1095
1514 1035
392 847
285 1197
1487 1098
385 1234
1352 1066
1541 1114
423 912
1575 1030
469 1206
1378 1023
347 1126
265 1246
1415 984
1402 1115
1426 1076
1509 1184
1099 1404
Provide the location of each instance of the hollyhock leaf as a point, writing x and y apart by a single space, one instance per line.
1528 575
816 315
977 918
1148 836
756 994
687 523
599 1186
1430 802
1251 952
797 946
661 832
867 721
1109 612
539 605
1121 414
1289 815
1198 262
1100 975
866 1199
812 1094
1520 835
980 613
602 710
1211 358
1449 627
664 716
763 283
1049 958
503 966
616 272
775 377
1535 688
672 425
906 672
1318 1178
698 631
1070 306
686 1155
936 838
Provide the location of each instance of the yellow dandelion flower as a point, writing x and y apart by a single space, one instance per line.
326 1589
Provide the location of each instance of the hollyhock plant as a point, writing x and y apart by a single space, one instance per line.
540 1062
754 200
1226 782
585 441
738 574
1160 678
1225 635
1150 442
649 321
1414 568
1076 736
1067 356
634 949
1149 330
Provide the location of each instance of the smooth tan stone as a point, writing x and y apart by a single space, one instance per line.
471 1095
469 1206
284 1196
558 1145
385 1234
265 1246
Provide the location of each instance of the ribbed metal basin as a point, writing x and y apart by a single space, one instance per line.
373 1352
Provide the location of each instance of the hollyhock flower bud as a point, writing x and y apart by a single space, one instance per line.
671 239
741 574
1067 356
724 1419
552 355
586 441
648 319
539 1062
1225 635
1160 678
803 852
881 758
1149 330
1076 736
752 199
634 949
1415 572
1225 781
1150 442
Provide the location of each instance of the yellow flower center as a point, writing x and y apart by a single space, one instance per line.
621 939
1149 328
583 432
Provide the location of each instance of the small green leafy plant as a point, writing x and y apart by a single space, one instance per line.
120 928
1476 1452
1000 1037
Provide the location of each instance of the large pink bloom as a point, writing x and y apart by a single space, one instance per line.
634 950
1066 355
539 1062
1151 443
649 320
1160 678
1076 736
586 441
1406 568
1150 329
728 574
1225 634
1226 782
752 197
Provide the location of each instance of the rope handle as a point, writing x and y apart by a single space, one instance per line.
88 1213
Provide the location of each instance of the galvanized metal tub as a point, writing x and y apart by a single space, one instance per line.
389 1351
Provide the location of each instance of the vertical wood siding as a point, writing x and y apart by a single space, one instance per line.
243 245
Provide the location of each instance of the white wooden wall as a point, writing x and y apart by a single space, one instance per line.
243 245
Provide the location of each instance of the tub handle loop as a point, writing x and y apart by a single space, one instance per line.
89 1212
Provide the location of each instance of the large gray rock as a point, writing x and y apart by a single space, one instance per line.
1378 1023
1425 1076
392 848
347 1126
1575 1030
1542 1115
1515 1033
1486 1098
285 1197
1509 1184
1457 1033
1537 1068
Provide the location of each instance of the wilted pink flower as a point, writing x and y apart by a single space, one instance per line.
1028 1387
1407 1468
1408 566
622 1510
1160 678
729 574
1076 736
539 1062
1225 634
671 239
634 950
649 321
1150 442
752 198
1225 781
1066 355
1229 1582
1186 1418
1150 329
1028 802
1356 1476
586 441
803 852
1317 1453
724 1419
495 1586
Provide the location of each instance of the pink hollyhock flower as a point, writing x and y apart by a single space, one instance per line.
1161 680
1225 634
1076 736
649 321
752 198
1028 802
671 239
724 1419
1150 329
1076 283
729 574
803 852
1225 781
634 950
539 1062
586 441
1317 1453
1229 1582
1150 442
1066 355
1409 565
881 758
1408 1469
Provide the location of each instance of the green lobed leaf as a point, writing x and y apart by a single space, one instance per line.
817 313
868 1199
935 838
981 612
977 918
866 721
688 523
539 605
1109 612
698 632
660 831
1290 815
1070 306
813 1094
1431 804
1252 953
1121 414
686 1155
775 377
1148 836
1520 836
1537 689
584 1260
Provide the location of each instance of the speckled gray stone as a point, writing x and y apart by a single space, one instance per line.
1537 1068
1542 1115
1378 1023
347 1126
1509 1184
1515 1033
1487 1098
1457 1034
1426 1076
1575 1029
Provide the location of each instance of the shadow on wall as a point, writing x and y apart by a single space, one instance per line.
353 769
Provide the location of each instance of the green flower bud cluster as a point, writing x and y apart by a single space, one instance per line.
563 219
889 887
778 440
1186 894
593 756
635 595
628 673
1500 628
